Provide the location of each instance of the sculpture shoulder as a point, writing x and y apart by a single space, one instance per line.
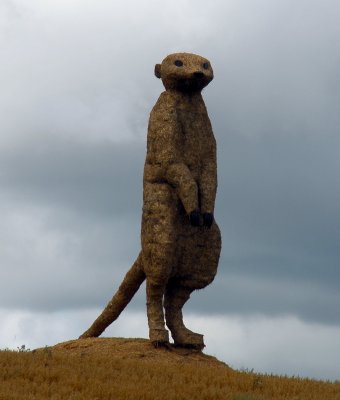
166 103
163 130
163 116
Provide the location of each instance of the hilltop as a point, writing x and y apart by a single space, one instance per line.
135 349
124 369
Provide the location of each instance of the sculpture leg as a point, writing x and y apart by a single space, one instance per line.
175 298
154 293
157 261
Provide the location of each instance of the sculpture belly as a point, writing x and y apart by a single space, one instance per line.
191 136
160 214
199 252
193 251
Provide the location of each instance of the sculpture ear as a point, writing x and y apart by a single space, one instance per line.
158 70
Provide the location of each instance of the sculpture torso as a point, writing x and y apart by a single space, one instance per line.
180 132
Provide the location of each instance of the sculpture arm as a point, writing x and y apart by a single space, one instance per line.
165 154
208 183
179 176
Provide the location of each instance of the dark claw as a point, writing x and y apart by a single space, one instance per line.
194 218
208 219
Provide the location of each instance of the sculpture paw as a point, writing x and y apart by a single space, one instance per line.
194 218
159 337
164 345
208 219
198 347
188 339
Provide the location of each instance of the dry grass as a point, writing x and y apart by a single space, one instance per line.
115 369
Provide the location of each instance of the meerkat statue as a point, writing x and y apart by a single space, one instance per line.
180 239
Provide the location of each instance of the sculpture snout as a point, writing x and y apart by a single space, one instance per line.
198 74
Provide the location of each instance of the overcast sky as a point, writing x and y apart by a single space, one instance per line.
77 87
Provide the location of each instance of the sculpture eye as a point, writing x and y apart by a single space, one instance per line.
205 65
178 63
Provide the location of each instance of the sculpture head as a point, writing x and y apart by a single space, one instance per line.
184 72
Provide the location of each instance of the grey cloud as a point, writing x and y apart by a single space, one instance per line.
278 208
283 193
279 68
279 256
96 180
276 121
52 259
73 213
254 294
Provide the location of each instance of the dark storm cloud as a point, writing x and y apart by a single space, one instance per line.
276 119
74 124
256 294
94 180
280 71
282 198
73 216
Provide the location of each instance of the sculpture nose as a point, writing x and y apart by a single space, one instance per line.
198 74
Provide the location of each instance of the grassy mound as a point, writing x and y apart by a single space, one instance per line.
122 369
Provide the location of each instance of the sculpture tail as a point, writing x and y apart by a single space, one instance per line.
131 283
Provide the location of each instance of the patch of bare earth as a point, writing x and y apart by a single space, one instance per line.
134 349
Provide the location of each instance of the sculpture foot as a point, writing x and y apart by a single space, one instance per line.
164 345
159 337
198 347
188 339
